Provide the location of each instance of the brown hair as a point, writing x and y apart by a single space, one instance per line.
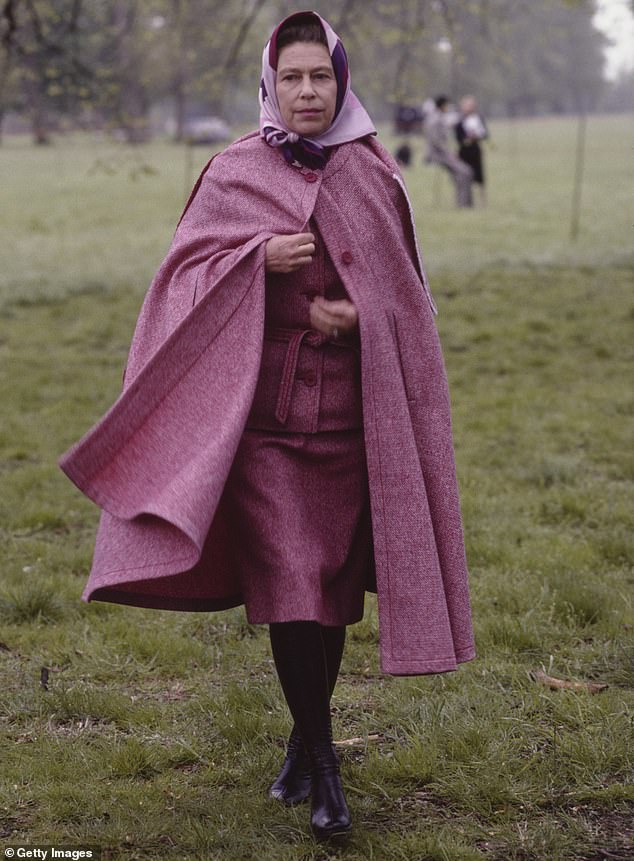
301 28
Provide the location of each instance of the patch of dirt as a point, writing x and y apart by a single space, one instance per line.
613 835
611 838
173 693
12 826
70 727
420 806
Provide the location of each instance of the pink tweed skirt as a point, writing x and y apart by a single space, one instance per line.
299 507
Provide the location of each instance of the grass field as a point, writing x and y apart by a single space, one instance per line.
157 733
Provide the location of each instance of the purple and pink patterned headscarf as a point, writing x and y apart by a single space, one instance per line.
351 121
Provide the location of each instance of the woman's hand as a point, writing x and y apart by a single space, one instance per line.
288 252
333 317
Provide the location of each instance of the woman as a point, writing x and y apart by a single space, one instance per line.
283 439
470 131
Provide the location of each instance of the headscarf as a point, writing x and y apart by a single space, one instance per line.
350 121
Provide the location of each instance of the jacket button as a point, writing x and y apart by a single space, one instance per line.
347 257
310 177
310 379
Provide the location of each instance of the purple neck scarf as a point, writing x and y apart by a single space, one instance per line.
350 122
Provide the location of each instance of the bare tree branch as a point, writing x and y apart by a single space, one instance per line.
411 33
37 24
234 51
73 20
447 15
8 15
344 16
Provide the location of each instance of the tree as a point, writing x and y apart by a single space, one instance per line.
210 63
42 70
112 61
529 56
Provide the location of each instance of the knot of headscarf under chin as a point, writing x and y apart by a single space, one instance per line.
350 122
297 151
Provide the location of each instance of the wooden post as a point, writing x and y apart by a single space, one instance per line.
513 142
575 216
189 166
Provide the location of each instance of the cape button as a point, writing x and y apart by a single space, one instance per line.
347 257
310 177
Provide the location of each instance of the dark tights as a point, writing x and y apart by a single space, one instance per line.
307 657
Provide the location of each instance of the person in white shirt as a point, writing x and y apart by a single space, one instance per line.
470 130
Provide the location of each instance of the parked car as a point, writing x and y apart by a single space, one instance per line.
207 130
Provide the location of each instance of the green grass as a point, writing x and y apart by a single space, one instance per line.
157 733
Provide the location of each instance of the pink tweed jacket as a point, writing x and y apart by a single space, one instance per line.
157 462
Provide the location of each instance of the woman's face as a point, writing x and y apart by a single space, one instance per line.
306 88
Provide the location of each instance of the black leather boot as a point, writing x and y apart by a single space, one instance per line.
300 660
293 783
330 817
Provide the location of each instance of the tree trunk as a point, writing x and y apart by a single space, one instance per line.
4 85
39 119
180 73
133 104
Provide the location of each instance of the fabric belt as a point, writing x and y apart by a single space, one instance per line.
295 339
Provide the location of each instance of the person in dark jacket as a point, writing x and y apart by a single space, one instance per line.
470 130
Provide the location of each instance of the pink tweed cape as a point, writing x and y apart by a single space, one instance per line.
157 462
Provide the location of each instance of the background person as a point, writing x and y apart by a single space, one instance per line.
283 439
470 130
408 120
438 152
